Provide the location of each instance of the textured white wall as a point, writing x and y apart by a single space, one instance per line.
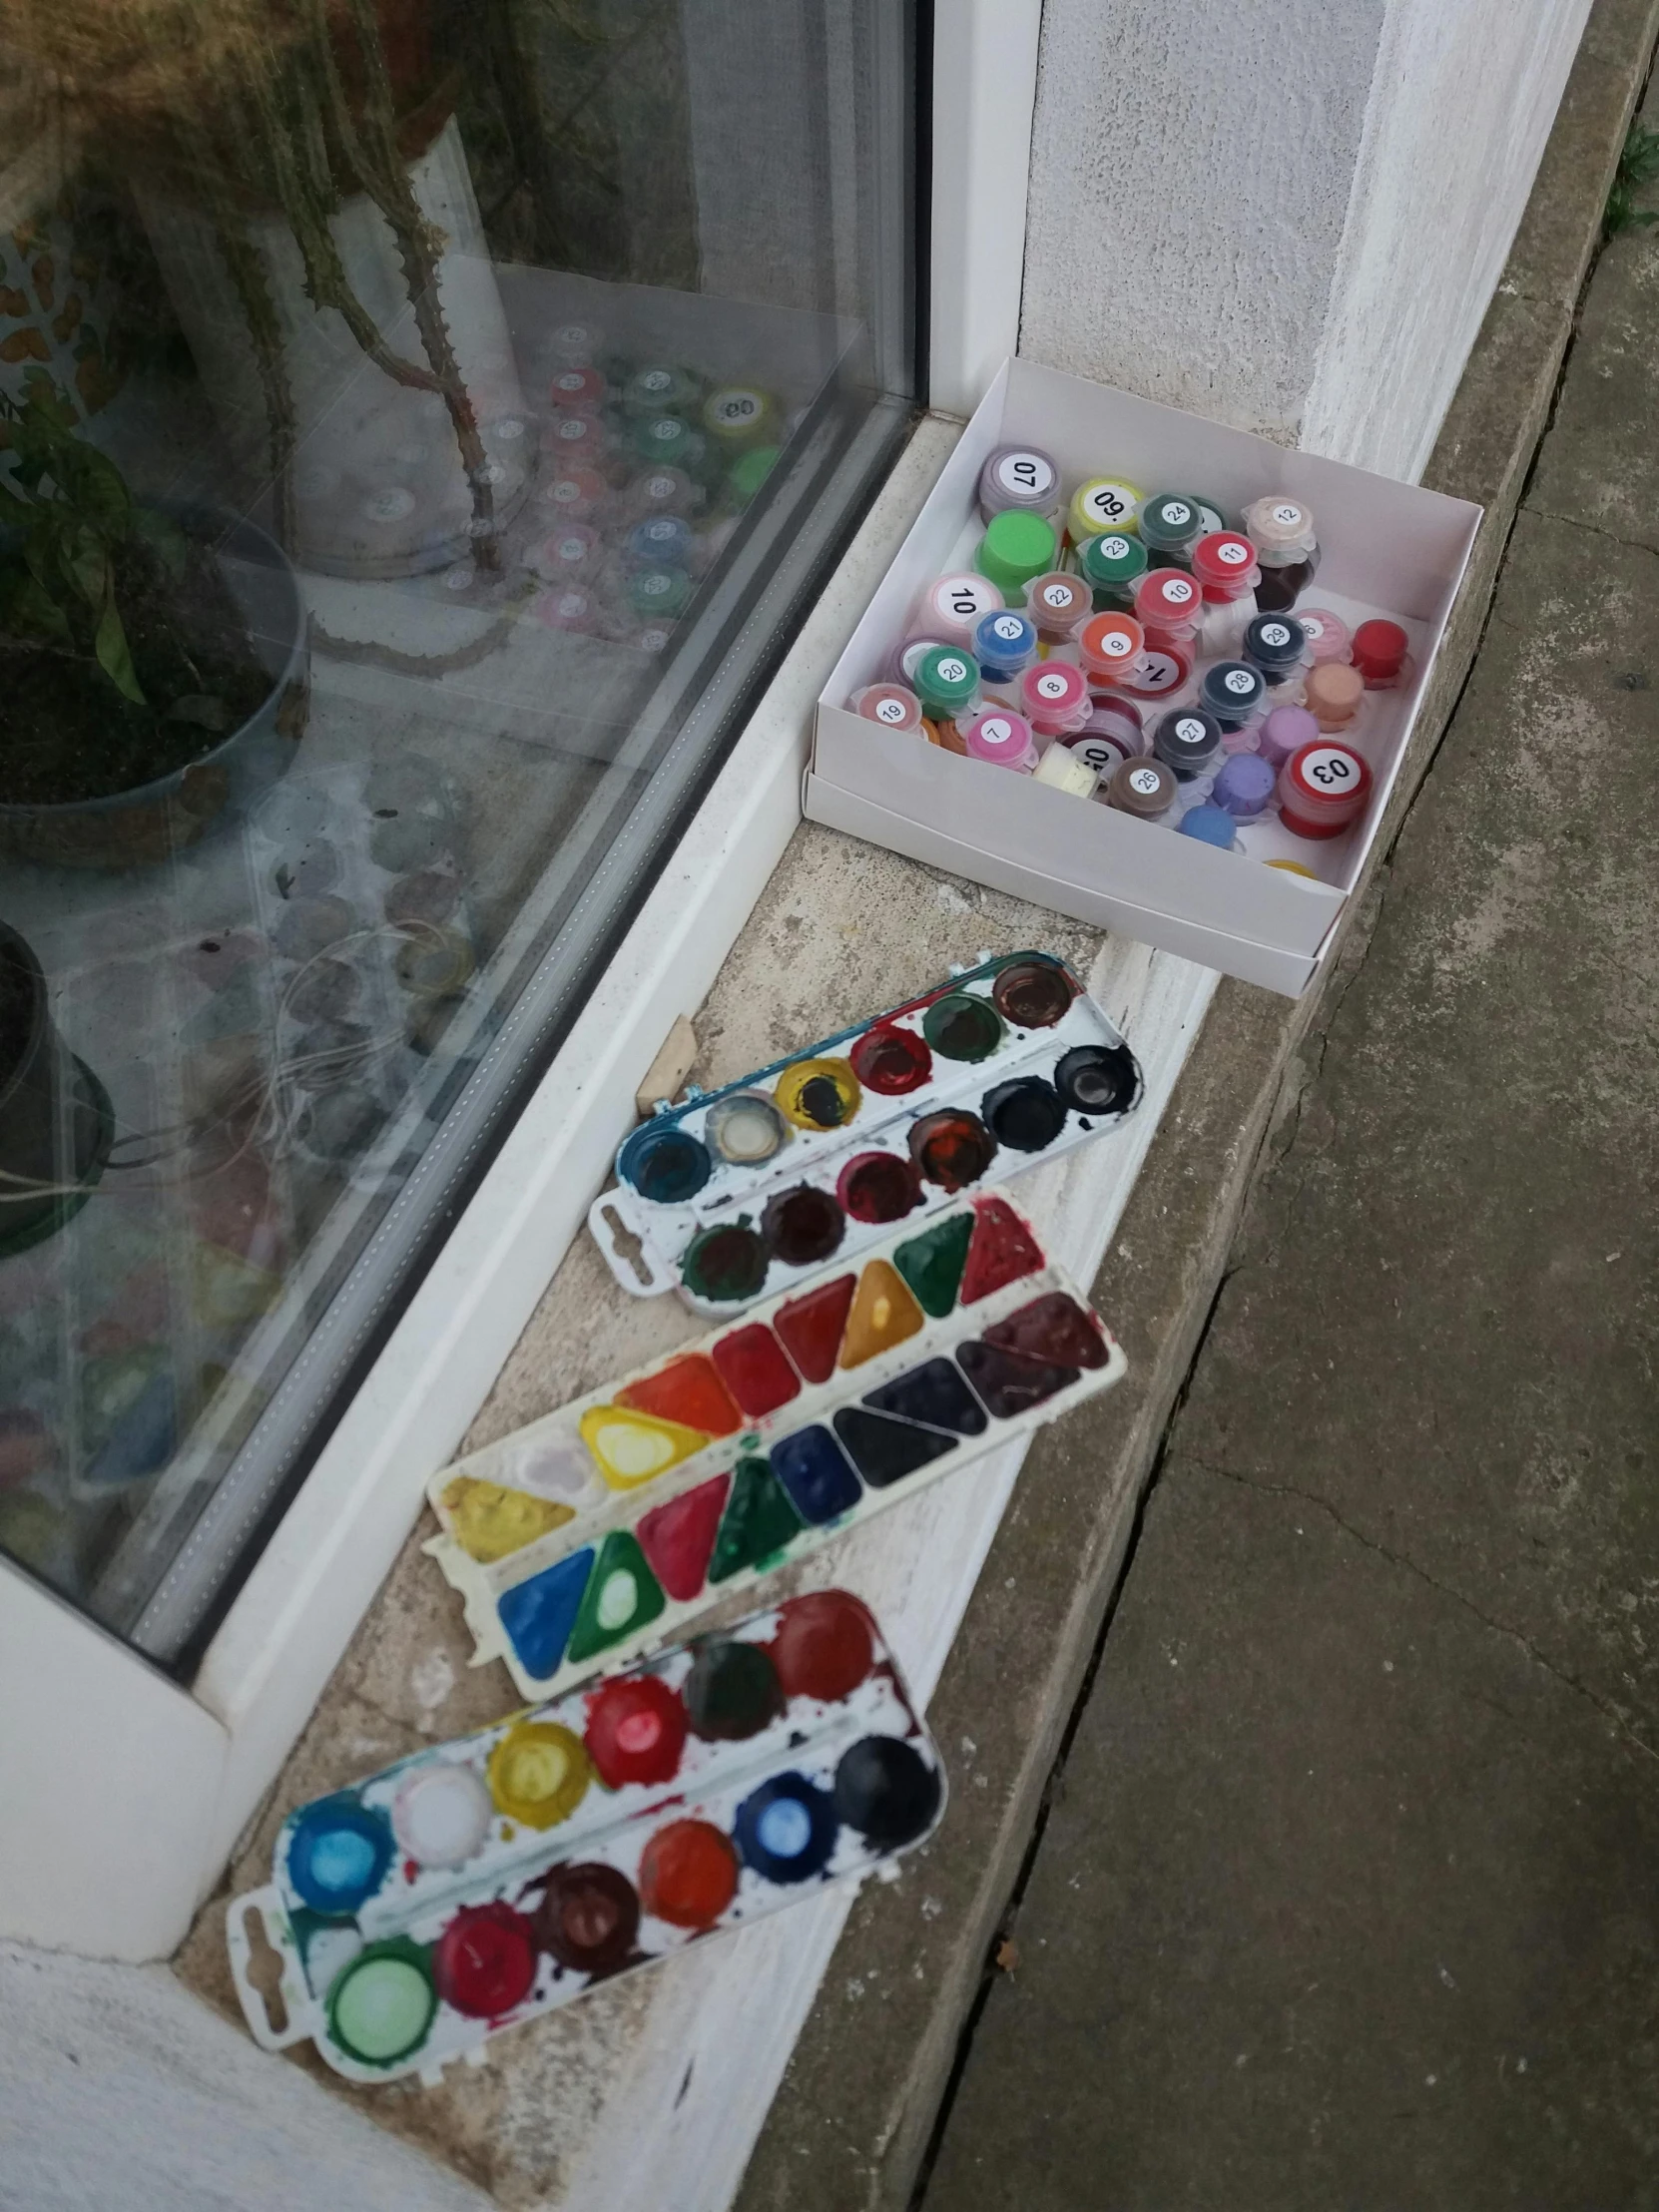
1290 218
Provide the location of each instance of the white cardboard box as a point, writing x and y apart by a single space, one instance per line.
1386 549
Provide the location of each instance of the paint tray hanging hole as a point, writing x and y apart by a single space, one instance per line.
267 1971
623 1248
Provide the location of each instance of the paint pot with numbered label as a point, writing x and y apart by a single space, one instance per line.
1144 789
1379 654
1104 503
1284 730
660 541
894 706
1323 789
1057 603
1019 476
948 683
1004 644
1064 769
1161 671
571 609
1054 699
1282 531
1233 693
1002 738
739 415
578 389
1017 546
907 656
661 491
1225 566
1171 526
954 606
1275 644
1110 647
1112 733
1169 607
659 594
1112 565
1326 634
1244 786
575 495
1332 694
661 388
570 556
1188 741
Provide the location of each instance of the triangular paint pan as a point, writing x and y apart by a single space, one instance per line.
635 1447
489 1521
760 1521
885 1451
687 1391
1009 1382
811 1326
883 1314
1052 1327
621 1596
538 1614
1001 1252
933 1263
933 1395
678 1538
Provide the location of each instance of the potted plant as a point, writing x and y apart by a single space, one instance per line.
55 1119
154 665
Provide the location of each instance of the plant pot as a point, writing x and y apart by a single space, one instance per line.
137 827
55 1118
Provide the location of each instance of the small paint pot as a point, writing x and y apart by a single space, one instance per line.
1187 740
1234 692
1244 786
1144 789
687 1874
434 964
951 1149
1098 1079
1113 733
660 541
1169 607
894 706
578 390
589 1918
887 1792
878 1186
1171 525
442 1815
946 681
667 1165
1332 694
1224 565
569 556
731 1691
819 1094
1379 652
1000 738
739 414
1065 771
662 491
338 1855
785 1830
745 1128
1282 531
726 1265
962 1026
1209 826
1275 644
1017 546
1104 503
427 895
1026 1114
575 495
1112 565
538 1773
953 606
1109 646
1032 993
907 656
662 387
659 594
1162 669
1019 476
636 1731
803 1226
382 2005
1004 644
1326 634
1054 697
822 1646
484 1963
891 1059
571 610
1057 603
1284 731
1323 789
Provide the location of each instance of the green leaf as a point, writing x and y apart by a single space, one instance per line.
85 563
113 658
24 606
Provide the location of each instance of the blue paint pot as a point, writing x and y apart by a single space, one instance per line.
667 1165
785 1830
338 1852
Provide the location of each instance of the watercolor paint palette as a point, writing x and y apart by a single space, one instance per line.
747 1191
488 1880
599 1529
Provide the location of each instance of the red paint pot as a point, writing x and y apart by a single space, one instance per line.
484 1963
687 1874
824 1647
877 1186
636 1732
1378 653
1323 789
589 1918
891 1060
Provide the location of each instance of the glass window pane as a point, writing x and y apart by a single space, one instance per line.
420 425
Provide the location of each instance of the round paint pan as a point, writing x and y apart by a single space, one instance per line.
380 2006
823 1647
746 1129
666 1166
538 1773
960 1026
819 1094
338 1852
1032 994
687 1874
803 1226
1025 1115
878 1186
1098 1079
891 1060
589 1918
886 1790
725 1264
732 1692
787 1829
441 1816
484 1963
951 1149
636 1732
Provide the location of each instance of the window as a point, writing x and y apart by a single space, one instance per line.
419 425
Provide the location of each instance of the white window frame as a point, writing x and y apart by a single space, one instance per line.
122 1793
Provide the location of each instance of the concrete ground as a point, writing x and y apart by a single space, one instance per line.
1345 1890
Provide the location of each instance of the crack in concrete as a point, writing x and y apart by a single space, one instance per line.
1591 529
1402 1560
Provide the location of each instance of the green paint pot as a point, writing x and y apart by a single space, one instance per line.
380 2006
